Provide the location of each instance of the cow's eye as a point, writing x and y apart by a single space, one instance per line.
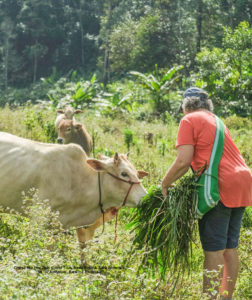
124 174
69 129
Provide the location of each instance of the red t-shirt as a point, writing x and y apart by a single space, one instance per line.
235 179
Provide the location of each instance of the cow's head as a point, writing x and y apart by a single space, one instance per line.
66 114
66 131
117 185
69 112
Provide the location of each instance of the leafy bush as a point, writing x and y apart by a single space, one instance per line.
116 100
19 96
79 95
160 85
247 218
131 43
241 129
38 126
128 138
235 122
226 73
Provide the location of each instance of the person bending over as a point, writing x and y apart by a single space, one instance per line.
219 228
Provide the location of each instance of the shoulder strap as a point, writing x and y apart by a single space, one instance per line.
218 145
209 193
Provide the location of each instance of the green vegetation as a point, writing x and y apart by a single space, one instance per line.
126 65
165 227
83 52
38 261
160 87
226 71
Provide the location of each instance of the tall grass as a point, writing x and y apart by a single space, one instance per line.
37 241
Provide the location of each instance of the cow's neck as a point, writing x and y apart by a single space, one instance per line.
81 139
87 210
110 195
83 210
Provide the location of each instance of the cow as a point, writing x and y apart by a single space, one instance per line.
66 114
70 132
80 188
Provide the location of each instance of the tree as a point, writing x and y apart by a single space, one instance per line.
39 34
226 72
9 60
109 36
199 24
81 27
6 30
141 44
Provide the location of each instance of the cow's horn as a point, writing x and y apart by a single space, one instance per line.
116 157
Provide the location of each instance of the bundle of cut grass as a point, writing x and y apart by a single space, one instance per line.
164 228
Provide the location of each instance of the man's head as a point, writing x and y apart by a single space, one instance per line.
195 98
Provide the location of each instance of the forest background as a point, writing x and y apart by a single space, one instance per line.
44 45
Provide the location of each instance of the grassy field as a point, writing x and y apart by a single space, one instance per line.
38 261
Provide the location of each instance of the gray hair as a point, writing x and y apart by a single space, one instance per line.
194 103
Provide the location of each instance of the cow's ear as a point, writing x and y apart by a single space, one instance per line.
96 164
78 126
142 174
78 111
60 111
116 158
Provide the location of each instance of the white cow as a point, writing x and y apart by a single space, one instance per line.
66 114
64 175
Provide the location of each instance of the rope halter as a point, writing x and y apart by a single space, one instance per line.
125 198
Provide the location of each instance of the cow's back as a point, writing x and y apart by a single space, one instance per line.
25 164
18 162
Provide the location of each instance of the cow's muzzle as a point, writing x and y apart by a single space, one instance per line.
59 140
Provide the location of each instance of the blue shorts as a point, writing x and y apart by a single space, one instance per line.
219 229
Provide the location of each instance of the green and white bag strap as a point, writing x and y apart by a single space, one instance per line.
215 158
211 189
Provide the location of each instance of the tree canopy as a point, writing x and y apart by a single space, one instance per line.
52 38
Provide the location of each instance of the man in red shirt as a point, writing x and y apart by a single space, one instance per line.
220 227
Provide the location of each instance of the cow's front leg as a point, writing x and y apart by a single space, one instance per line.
84 234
